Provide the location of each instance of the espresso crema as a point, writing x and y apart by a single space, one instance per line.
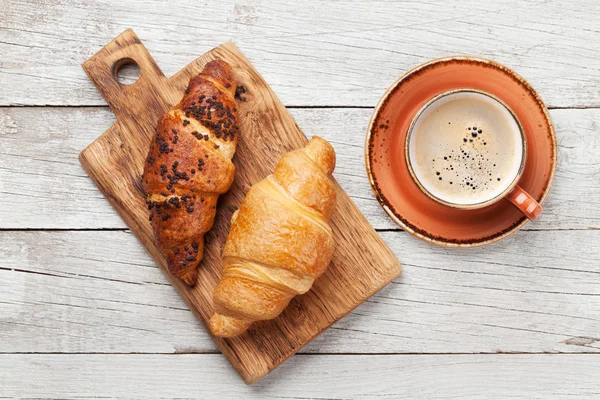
465 148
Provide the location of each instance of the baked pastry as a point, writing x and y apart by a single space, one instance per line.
189 166
280 240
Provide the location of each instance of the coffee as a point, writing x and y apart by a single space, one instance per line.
465 148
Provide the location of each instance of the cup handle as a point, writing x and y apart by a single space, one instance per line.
524 202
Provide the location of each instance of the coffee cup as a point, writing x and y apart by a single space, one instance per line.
466 149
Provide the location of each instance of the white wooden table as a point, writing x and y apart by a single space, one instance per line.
84 312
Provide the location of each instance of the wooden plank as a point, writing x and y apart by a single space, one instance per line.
444 377
324 53
43 186
361 265
78 292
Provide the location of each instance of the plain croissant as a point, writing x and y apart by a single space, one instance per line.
280 240
189 166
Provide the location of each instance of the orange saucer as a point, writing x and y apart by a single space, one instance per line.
388 173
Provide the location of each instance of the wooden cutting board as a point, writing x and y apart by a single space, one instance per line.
362 263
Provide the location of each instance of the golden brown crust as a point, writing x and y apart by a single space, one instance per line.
189 166
228 326
268 219
306 185
280 240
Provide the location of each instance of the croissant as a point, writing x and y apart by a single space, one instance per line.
280 240
189 166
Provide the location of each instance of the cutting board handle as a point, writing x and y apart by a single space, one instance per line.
102 68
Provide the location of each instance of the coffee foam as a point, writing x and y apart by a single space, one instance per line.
466 148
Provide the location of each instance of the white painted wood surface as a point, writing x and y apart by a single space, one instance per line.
101 293
313 52
84 312
58 194
531 376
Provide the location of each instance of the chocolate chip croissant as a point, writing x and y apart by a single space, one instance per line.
189 166
280 240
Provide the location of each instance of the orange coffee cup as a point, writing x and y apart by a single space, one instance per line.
425 134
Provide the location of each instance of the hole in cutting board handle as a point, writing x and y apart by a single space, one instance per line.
126 71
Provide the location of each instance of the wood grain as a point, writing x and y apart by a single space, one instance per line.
461 377
362 263
343 53
100 292
39 172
